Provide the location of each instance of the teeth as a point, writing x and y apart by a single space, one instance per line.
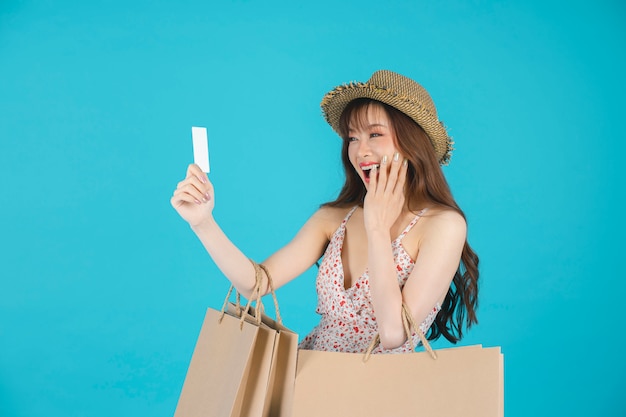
369 167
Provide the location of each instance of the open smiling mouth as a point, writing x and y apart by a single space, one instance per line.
367 170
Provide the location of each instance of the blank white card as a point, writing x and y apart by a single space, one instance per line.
200 148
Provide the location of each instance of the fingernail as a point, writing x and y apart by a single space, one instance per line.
384 161
207 195
406 162
197 201
203 179
396 156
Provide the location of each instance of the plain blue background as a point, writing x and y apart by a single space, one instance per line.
103 287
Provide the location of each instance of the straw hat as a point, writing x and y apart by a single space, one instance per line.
397 91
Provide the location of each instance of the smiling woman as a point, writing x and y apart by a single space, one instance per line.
96 119
394 236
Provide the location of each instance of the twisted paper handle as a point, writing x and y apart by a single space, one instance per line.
272 291
408 322
256 297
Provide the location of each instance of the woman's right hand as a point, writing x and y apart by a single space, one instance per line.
194 197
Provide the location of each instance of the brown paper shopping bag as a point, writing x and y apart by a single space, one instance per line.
280 386
253 399
276 379
216 379
456 382
243 363
283 371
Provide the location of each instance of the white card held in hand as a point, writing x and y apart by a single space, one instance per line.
200 148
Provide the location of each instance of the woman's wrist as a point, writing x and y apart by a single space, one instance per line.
378 234
205 226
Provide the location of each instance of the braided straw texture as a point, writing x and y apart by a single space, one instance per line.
397 91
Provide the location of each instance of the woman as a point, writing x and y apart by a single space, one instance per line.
394 234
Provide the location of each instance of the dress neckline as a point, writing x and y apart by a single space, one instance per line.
395 242
404 232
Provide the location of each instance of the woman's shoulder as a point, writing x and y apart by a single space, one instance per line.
329 218
444 220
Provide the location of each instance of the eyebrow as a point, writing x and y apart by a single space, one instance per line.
350 129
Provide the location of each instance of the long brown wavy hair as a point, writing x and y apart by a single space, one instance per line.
425 184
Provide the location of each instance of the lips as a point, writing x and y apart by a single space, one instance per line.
367 169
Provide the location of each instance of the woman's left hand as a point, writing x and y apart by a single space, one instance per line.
384 200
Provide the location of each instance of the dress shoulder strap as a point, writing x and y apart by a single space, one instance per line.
340 229
345 219
410 225
350 213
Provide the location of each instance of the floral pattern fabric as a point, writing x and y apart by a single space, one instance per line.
348 323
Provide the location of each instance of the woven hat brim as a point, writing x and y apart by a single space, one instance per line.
334 103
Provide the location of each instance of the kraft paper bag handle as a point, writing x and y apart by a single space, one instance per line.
256 297
259 269
408 322
272 291
240 312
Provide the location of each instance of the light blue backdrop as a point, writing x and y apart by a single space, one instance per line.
103 287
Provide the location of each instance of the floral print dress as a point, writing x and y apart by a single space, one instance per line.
348 323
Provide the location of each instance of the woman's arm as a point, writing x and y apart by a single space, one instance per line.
305 248
194 199
440 248
442 236
286 264
383 205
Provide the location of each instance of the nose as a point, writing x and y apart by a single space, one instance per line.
363 149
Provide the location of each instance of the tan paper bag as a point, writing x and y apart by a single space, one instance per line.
243 364
221 362
253 400
456 382
280 386
280 389
283 372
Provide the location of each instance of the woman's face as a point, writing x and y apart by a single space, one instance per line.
370 137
